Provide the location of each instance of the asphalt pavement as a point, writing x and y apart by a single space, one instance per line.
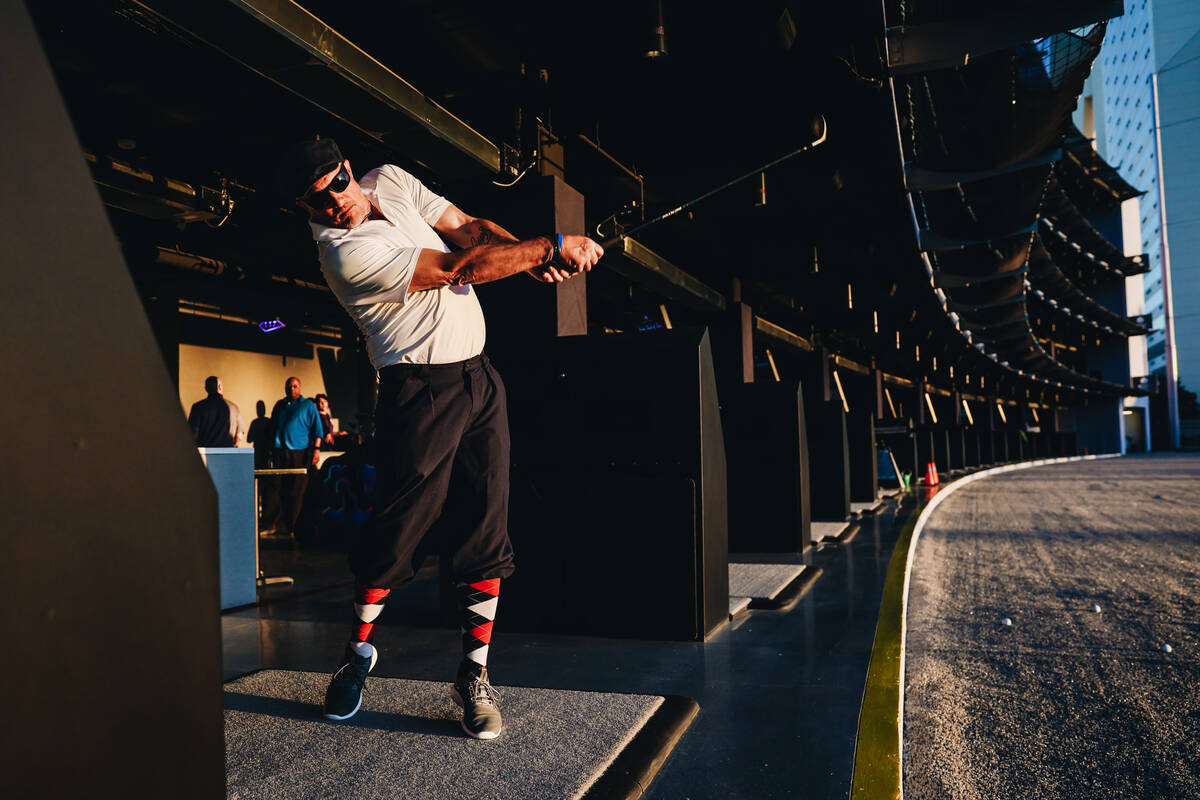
1053 646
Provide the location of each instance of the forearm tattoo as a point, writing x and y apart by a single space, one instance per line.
482 234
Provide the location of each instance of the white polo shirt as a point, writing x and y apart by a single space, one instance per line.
369 269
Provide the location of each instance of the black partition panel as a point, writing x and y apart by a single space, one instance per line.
972 439
1017 445
925 451
941 449
109 589
829 461
766 453
957 453
618 506
903 447
863 457
987 447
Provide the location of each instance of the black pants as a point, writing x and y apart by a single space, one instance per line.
283 495
441 456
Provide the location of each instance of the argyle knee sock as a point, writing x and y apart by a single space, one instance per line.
478 603
368 605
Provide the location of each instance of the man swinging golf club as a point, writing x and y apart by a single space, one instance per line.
441 441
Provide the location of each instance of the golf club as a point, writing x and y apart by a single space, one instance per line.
819 127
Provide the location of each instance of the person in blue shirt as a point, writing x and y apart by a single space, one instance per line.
297 426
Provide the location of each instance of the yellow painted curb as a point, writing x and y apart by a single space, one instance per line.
877 770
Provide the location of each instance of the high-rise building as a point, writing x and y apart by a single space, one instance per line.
1148 69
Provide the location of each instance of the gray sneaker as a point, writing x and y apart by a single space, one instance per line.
480 703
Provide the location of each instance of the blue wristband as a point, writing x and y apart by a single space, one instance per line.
555 250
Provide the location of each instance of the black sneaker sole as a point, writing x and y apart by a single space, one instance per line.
346 716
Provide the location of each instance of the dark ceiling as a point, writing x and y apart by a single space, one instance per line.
206 94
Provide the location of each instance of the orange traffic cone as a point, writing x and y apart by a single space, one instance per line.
931 476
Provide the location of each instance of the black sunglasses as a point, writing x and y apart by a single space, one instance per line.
322 198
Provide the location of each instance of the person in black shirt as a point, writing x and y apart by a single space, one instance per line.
261 435
215 421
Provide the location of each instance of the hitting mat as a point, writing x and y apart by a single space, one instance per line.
865 508
406 741
828 530
761 581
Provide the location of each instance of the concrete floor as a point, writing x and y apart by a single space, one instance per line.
1067 701
779 691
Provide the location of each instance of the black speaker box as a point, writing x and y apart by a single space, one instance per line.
766 450
618 505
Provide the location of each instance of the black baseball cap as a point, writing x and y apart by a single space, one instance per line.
306 161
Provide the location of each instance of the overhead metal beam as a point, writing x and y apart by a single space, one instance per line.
919 179
938 45
930 240
355 65
782 334
648 269
946 280
853 366
896 380
297 51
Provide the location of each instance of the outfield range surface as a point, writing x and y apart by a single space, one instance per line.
1066 701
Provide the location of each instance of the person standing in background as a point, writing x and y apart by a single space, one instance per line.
215 421
331 439
261 436
297 427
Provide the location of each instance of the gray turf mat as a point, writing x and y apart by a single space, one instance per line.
865 508
1067 701
406 741
828 530
761 581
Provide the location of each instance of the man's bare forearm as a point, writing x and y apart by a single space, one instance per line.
491 262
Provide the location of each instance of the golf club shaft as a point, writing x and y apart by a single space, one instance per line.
613 240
